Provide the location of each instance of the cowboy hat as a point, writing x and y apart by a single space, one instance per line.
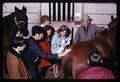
86 17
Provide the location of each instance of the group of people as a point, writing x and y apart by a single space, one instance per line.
46 46
36 50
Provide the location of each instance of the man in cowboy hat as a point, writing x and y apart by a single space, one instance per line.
87 30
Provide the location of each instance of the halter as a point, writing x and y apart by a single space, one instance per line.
17 24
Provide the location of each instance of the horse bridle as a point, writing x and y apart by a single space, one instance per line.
17 24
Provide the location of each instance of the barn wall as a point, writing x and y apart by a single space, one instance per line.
99 12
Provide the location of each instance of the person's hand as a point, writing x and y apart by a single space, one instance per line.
64 53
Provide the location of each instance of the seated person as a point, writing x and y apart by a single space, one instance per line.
96 71
95 59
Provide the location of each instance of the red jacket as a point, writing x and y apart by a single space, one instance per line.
46 47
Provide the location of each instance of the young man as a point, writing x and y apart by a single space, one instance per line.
34 51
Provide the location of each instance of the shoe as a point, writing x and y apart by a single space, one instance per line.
56 75
50 69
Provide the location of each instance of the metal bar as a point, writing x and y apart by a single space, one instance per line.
54 12
68 13
50 11
64 11
73 11
59 11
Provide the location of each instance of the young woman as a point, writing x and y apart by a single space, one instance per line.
45 45
59 41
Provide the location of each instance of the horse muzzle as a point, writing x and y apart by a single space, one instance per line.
25 33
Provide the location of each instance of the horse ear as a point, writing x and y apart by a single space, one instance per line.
24 9
112 18
16 9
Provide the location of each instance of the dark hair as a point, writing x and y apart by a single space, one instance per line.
62 28
47 27
39 29
68 32
44 18
18 41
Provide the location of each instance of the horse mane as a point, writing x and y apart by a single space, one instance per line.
8 20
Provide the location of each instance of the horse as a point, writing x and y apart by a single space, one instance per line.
77 59
12 24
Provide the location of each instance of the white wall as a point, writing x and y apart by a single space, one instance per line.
33 12
99 12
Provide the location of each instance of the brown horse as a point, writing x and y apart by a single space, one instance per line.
76 60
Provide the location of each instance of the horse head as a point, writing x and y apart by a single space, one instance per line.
113 22
21 20
12 23
111 31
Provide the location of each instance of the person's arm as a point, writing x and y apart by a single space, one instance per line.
54 44
41 53
77 36
67 41
99 29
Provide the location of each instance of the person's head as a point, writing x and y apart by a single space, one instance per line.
62 30
44 20
50 30
18 43
95 59
86 20
39 33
